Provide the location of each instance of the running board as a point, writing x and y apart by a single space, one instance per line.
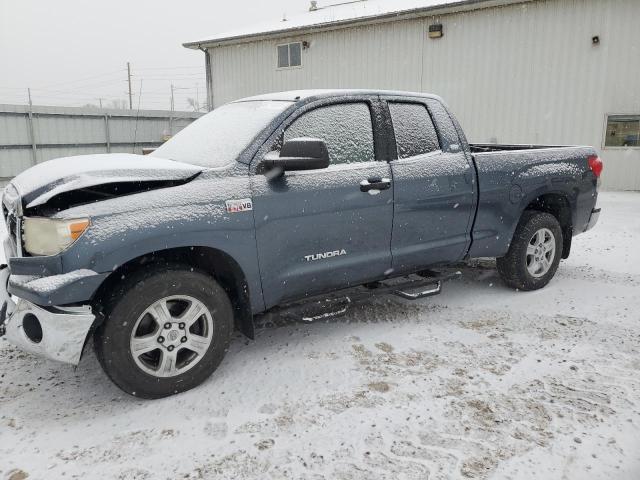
322 307
429 292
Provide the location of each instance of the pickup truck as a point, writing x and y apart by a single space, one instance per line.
277 201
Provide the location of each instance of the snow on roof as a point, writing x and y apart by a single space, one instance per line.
295 95
329 15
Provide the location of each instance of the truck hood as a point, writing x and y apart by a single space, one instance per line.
47 180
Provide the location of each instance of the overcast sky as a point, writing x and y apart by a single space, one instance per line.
74 52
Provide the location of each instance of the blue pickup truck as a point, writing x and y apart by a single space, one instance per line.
301 201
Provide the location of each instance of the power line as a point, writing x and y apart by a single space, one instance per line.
74 91
94 84
84 78
168 68
176 77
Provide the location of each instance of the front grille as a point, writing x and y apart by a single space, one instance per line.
12 225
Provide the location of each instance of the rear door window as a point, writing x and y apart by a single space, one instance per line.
346 128
415 133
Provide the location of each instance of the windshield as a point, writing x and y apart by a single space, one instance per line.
219 137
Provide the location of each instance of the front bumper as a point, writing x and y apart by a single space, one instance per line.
595 215
57 333
69 289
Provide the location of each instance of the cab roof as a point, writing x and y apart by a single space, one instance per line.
300 95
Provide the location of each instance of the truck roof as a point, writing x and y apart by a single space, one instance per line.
298 95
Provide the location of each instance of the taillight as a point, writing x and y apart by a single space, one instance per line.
595 164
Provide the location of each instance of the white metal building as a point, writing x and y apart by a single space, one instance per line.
513 71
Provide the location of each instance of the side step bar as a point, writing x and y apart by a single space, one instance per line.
322 307
429 292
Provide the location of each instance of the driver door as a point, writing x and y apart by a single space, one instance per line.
317 230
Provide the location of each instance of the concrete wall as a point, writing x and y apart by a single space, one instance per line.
52 132
525 73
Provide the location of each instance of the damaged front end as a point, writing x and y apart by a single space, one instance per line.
45 292
56 333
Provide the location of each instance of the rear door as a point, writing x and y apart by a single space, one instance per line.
434 186
317 230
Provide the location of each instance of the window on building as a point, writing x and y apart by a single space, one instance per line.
623 131
290 55
414 129
346 128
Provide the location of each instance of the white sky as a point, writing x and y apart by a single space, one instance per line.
73 52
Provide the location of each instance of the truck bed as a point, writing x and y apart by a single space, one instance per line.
510 177
496 147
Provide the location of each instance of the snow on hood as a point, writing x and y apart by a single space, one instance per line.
44 181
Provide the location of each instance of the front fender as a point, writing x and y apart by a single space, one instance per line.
190 215
234 236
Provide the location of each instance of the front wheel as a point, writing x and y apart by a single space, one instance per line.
534 253
165 331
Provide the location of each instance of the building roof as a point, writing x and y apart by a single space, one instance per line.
345 14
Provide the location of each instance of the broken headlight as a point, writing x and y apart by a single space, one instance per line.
46 236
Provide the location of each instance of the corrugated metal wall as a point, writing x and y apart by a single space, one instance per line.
67 131
525 73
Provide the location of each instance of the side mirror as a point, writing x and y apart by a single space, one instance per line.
298 154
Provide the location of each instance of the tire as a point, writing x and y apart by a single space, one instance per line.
527 266
129 323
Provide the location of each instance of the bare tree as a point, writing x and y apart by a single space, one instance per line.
194 104
118 104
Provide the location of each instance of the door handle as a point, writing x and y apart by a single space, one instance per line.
375 183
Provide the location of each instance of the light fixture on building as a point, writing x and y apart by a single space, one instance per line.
595 40
314 6
305 45
435 30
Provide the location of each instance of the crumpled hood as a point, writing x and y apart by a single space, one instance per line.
44 181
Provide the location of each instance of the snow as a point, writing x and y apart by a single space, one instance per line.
327 14
346 129
219 137
479 382
54 282
415 132
69 173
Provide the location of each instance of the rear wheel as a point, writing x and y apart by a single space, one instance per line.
534 253
165 331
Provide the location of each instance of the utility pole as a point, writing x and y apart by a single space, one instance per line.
32 134
129 80
171 115
100 100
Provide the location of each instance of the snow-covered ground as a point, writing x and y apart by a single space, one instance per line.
480 382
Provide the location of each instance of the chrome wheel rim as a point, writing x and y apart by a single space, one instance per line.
171 336
541 251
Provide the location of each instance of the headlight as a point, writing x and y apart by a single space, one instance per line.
46 236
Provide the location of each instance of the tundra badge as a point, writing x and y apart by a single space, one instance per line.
322 256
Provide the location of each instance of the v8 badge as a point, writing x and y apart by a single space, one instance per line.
236 206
